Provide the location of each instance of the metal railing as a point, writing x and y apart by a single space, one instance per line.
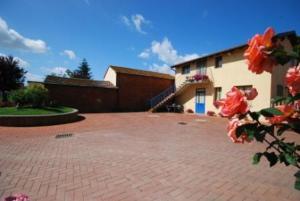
160 97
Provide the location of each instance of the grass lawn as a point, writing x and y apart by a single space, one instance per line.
34 111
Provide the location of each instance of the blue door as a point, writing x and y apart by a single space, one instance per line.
200 101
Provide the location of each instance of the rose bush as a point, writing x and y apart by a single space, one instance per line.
262 54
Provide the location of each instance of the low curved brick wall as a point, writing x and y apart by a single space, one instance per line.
38 120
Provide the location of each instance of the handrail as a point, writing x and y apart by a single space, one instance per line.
161 96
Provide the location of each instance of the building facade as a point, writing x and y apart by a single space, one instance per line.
201 81
136 87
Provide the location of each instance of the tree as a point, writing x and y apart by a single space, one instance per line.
83 71
12 76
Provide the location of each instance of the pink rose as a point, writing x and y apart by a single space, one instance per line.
234 103
251 93
287 110
231 128
256 54
17 197
292 80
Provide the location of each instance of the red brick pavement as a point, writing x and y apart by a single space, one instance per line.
137 156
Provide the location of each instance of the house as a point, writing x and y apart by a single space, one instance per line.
201 81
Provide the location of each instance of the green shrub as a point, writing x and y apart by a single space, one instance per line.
18 97
35 95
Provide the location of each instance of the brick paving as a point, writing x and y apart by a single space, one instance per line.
137 157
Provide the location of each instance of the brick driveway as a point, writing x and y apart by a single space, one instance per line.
137 156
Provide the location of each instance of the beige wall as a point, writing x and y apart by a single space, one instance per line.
111 76
279 71
234 72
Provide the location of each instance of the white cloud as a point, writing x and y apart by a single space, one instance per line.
166 53
22 63
145 54
161 68
136 21
69 53
10 38
34 77
60 71
126 21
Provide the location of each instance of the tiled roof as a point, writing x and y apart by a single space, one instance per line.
279 35
78 82
132 71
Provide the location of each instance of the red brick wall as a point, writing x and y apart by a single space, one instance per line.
135 91
85 99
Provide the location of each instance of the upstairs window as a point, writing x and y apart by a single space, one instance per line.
201 67
218 93
186 69
244 87
218 61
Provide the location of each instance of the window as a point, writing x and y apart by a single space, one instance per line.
218 61
244 87
185 69
279 90
218 93
201 67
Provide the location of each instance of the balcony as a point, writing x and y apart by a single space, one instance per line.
197 78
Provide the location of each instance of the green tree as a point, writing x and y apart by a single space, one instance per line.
83 71
12 76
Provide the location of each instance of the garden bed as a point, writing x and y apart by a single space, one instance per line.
11 116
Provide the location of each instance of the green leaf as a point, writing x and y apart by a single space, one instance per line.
297 182
289 99
293 55
297 185
248 129
296 97
278 99
256 158
260 135
283 160
254 115
281 56
270 112
271 157
295 125
290 159
282 128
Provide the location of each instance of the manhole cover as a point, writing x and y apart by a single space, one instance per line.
182 123
64 135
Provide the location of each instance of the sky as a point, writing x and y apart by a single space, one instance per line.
50 36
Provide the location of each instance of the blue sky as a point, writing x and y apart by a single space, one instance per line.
51 36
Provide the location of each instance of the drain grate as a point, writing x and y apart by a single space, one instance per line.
182 123
64 135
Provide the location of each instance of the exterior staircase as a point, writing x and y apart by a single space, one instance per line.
158 101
